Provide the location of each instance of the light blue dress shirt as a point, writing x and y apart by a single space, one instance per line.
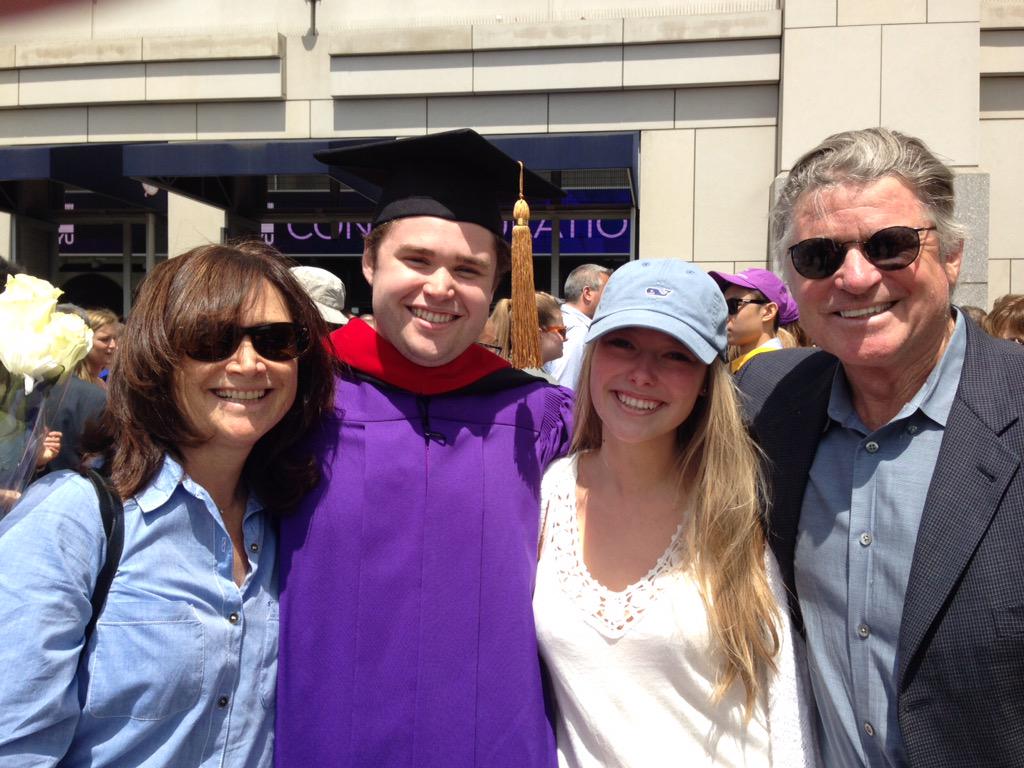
855 543
181 668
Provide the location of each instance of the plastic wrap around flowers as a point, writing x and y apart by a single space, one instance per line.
39 348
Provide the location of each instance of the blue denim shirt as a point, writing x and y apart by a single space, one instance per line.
181 669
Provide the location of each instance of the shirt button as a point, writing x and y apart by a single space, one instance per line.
863 630
222 702
871 446
866 539
254 547
913 429
233 618
869 729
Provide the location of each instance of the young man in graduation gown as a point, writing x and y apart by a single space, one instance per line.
407 636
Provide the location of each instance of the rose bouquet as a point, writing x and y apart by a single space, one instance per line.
39 348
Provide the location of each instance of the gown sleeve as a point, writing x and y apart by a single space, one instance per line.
556 425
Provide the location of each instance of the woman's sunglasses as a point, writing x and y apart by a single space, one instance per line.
559 329
888 249
274 341
733 306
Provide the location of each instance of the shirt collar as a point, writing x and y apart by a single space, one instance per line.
171 475
934 399
579 316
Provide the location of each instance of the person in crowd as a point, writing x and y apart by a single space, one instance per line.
106 330
71 408
327 291
582 292
658 608
758 305
897 497
551 331
1006 320
215 386
977 314
408 574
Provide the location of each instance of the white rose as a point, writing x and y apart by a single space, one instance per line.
70 340
36 343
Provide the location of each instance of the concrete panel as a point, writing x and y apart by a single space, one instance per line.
41 126
610 110
526 113
720 266
733 174
368 117
933 97
71 52
666 195
8 88
953 10
712 26
1017 276
710 63
307 70
972 210
548 35
548 69
998 280
830 82
80 85
730 106
1002 97
809 13
190 224
851 12
1002 52
411 74
215 80
143 122
264 120
7 56
400 40
1007 14
1001 141
206 47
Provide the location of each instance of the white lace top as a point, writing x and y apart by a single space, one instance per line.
632 671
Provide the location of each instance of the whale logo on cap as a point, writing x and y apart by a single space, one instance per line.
658 293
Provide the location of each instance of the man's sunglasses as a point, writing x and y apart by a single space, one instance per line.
888 249
274 341
735 305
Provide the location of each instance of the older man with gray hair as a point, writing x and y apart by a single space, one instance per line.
897 501
582 292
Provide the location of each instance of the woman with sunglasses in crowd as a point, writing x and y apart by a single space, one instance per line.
660 614
551 330
215 385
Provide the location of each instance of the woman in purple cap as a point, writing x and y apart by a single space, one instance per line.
760 308
659 610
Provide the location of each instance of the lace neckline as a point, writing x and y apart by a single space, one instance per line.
611 612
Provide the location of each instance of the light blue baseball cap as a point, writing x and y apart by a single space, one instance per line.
667 295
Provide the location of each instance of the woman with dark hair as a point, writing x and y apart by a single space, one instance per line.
215 386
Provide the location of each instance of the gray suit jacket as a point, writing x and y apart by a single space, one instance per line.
960 677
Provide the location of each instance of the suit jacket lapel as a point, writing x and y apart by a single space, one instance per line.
970 477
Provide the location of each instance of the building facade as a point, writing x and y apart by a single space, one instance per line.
670 122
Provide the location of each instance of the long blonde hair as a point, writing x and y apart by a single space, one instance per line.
501 320
719 469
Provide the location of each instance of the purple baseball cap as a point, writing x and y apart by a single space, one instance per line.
768 284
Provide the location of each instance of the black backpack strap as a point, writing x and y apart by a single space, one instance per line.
112 514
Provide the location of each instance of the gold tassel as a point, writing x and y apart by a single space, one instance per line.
525 325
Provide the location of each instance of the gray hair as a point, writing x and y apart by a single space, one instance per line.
860 158
584 276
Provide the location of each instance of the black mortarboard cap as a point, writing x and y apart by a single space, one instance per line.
455 175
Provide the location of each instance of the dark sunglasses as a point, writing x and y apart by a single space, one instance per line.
888 249
274 341
735 305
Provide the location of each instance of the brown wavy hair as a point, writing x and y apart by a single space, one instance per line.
207 285
718 469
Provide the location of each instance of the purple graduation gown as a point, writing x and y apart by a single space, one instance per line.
407 636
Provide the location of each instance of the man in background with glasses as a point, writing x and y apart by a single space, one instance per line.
897 502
